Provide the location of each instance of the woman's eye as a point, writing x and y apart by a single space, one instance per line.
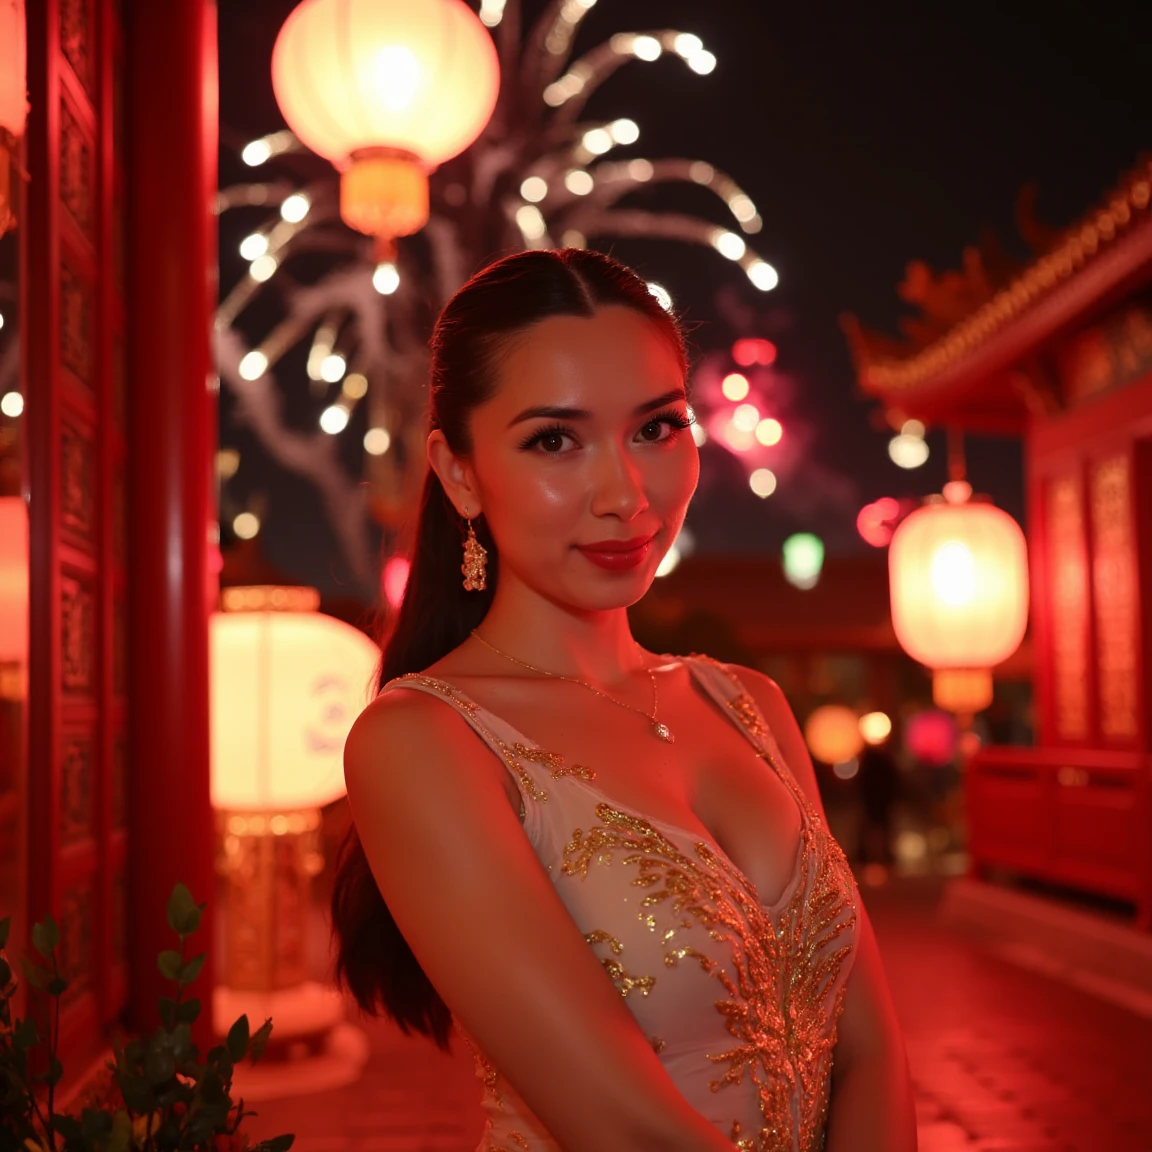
552 442
656 430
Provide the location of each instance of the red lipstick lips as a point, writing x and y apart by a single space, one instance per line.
618 555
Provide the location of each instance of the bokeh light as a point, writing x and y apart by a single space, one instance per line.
334 419
875 727
908 451
769 432
734 386
877 521
751 350
803 560
832 733
762 482
931 737
246 525
746 417
394 580
377 441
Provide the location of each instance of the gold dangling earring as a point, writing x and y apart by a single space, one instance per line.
475 566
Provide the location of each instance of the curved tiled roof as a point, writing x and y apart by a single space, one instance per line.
1084 245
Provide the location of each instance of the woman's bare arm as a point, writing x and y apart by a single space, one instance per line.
871 1107
482 917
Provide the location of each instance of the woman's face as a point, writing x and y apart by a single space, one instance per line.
583 459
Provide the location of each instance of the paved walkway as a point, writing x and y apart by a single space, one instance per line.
1003 1060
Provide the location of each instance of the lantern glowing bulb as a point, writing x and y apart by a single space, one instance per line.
959 586
387 90
287 683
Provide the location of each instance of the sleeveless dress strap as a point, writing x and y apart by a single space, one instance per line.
513 753
741 708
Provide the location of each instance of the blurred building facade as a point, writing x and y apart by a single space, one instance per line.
1059 352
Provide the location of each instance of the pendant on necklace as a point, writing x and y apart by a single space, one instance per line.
661 730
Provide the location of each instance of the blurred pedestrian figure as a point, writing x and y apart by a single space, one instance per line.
879 783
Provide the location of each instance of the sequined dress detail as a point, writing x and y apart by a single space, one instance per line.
739 999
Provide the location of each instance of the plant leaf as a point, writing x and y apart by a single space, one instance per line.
238 1039
170 964
53 1075
168 1008
183 912
5 928
276 1144
187 1011
5 973
25 1035
68 1127
57 986
96 1124
35 975
45 937
259 1040
192 969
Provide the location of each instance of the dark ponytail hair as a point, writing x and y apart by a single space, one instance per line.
373 961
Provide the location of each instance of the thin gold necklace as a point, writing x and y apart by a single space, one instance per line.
659 729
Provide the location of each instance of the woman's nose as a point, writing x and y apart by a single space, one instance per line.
618 486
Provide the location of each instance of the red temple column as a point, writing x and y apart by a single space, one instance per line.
171 109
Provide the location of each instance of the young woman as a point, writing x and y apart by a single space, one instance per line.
608 868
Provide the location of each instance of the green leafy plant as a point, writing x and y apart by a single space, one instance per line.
154 1095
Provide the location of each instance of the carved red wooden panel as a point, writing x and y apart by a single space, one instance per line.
1114 577
74 382
1068 608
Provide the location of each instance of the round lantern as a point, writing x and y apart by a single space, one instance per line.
958 573
833 734
287 683
13 105
386 90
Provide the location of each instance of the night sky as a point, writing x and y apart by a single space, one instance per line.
867 135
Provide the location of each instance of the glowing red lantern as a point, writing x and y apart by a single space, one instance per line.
387 90
958 573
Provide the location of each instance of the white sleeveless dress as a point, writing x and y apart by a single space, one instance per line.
739 999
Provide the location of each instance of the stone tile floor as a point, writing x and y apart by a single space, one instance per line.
1003 1060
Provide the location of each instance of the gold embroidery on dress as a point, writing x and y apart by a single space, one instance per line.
749 715
781 988
776 984
657 1044
553 761
624 981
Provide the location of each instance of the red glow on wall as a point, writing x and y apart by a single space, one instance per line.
752 350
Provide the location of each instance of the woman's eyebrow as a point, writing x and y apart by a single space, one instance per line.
558 413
